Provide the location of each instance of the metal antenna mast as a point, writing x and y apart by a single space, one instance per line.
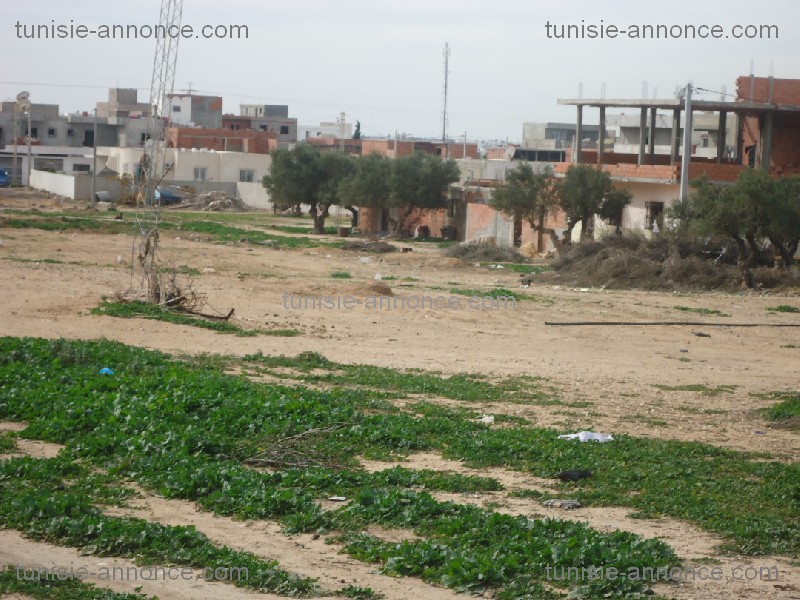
446 54
153 167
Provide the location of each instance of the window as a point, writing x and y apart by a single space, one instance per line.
284 130
142 139
71 132
34 132
176 108
51 132
263 127
653 212
247 175
200 174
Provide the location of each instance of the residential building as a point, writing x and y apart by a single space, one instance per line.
765 118
243 140
193 110
264 117
548 136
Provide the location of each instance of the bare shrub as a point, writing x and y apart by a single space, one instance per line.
662 263
477 252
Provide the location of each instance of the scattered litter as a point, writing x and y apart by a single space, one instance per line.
407 249
337 499
759 433
573 475
378 277
701 334
684 349
584 289
566 504
209 270
587 436
365 259
119 259
487 419
496 266
106 371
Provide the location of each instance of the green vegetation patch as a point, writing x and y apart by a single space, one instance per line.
7 443
185 431
35 585
145 310
521 267
341 275
786 308
786 412
500 294
311 367
697 387
702 311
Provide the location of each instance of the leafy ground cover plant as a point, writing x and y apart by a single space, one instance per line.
188 432
146 310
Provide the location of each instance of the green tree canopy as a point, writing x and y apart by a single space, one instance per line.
304 175
586 191
419 182
527 195
753 210
368 184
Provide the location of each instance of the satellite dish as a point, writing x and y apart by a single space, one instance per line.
23 96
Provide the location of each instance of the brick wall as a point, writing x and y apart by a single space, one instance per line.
784 91
258 142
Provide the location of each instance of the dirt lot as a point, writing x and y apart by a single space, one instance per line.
620 372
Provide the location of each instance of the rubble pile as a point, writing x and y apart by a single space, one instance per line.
215 201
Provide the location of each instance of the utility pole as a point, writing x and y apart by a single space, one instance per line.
465 146
29 146
93 199
446 54
687 143
15 133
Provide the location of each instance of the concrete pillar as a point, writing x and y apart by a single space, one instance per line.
739 144
766 141
601 136
723 121
576 150
675 141
642 135
652 145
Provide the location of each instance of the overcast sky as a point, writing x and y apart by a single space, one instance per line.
381 62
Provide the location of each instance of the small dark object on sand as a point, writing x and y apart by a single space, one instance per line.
573 475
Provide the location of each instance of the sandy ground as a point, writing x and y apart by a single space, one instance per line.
613 369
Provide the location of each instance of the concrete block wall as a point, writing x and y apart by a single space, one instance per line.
784 91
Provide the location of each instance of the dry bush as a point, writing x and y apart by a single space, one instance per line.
661 263
485 253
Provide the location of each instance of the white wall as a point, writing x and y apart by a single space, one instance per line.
74 187
55 183
254 195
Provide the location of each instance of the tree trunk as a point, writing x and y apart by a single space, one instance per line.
397 226
319 218
354 218
745 263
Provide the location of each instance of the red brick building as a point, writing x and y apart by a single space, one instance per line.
258 142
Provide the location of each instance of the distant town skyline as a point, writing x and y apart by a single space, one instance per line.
382 64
